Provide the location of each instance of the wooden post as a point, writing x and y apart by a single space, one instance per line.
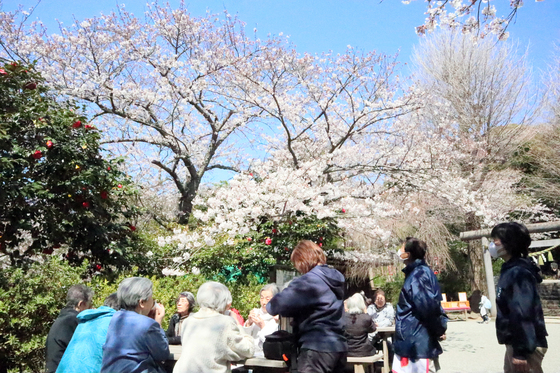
489 276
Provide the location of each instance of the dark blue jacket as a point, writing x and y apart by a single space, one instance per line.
420 319
520 320
316 302
135 344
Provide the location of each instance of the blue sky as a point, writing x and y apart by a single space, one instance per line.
323 25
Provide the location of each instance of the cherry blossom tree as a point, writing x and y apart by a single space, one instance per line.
190 95
481 104
155 85
470 16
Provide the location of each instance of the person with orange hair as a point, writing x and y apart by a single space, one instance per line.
316 302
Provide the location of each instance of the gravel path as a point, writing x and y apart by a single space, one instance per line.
473 348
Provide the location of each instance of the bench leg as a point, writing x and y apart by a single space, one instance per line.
359 368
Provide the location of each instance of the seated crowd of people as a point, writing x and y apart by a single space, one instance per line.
126 335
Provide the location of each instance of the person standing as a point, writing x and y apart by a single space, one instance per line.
78 299
420 320
520 320
316 302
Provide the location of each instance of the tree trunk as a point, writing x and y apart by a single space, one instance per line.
186 201
475 253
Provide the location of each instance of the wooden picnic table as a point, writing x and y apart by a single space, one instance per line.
385 333
360 363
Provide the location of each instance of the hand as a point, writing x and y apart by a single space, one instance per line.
258 321
520 365
160 312
442 337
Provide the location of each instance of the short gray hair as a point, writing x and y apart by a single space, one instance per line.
132 290
78 293
213 295
356 303
272 287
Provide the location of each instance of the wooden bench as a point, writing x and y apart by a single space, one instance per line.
360 364
364 364
462 305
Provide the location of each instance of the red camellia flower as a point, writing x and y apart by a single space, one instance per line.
37 154
132 227
251 174
49 144
343 211
320 244
268 241
85 204
3 72
249 239
104 194
98 267
77 124
108 168
274 231
119 186
88 127
31 86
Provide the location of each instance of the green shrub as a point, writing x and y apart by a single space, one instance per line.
30 300
391 285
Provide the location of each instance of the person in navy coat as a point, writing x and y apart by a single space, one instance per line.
420 319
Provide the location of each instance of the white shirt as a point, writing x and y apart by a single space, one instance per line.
270 326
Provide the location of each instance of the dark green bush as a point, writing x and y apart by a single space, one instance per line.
30 300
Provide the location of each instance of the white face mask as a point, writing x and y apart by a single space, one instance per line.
496 251
400 255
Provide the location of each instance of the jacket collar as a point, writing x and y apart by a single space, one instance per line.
411 266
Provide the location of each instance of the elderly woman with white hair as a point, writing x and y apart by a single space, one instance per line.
358 325
211 339
135 342
260 323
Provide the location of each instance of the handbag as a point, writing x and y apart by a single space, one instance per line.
280 345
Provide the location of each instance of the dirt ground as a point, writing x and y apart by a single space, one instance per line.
473 348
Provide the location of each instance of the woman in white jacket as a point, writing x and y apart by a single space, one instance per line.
260 323
210 339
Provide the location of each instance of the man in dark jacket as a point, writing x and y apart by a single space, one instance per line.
520 321
78 299
420 319
316 302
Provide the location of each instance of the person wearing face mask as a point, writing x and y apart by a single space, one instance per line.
520 321
420 321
